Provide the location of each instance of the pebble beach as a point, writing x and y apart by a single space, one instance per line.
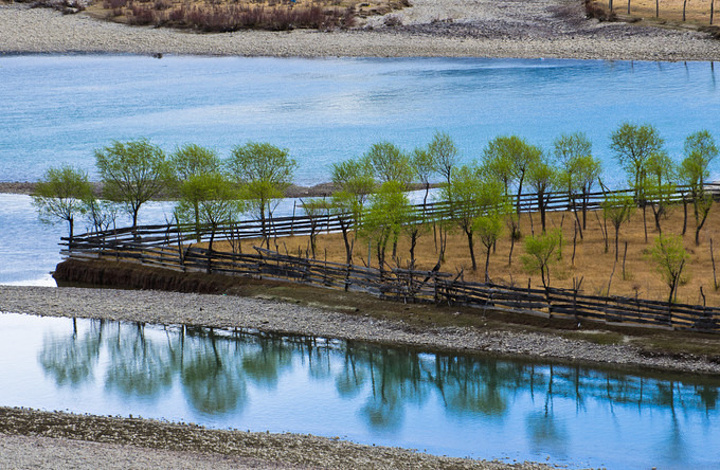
429 28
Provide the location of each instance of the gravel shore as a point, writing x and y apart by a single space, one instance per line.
445 28
228 311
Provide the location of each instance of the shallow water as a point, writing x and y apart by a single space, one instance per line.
481 407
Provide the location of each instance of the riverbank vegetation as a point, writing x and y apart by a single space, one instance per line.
226 16
615 249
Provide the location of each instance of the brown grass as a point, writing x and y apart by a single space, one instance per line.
697 12
592 263
233 15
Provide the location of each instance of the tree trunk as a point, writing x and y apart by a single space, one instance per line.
71 224
617 236
541 206
684 8
487 264
472 248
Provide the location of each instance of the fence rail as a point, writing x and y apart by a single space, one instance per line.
167 246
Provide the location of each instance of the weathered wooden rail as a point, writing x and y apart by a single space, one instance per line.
174 247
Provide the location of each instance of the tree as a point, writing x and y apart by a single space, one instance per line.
192 159
574 154
470 197
189 161
489 225
264 171
315 209
632 146
425 167
700 151
62 195
132 173
542 178
444 153
659 185
618 208
670 258
510 157
354 182
210 198
388 211
588 170
541 252
390 163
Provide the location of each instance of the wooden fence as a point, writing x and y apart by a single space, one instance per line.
168 246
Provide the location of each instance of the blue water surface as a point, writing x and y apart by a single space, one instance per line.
477 406
60 109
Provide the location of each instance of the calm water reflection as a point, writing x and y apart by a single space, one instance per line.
479 406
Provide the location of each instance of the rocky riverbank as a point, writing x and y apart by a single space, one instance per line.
445 28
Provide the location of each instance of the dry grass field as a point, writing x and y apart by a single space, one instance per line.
592 264
669 12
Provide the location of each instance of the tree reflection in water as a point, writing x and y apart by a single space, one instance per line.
71 360
216 369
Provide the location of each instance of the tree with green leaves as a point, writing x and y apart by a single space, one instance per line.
316 209
470 197
670 257
577 172
541 252
388 210
133 173
660 186
62 195
509 158
425 167
489 224
633 145
193 160
264 172
216 199
354 181
390 163
618 208
700 152
444 153
542 178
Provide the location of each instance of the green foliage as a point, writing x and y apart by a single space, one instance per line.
264 171
262 161
62 195
700 151
132 173
444 153
390 163
633 145
192 159
541 252
208 199
670 258
508 158
388 211
354 177
470 198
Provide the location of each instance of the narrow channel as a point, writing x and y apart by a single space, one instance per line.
477 406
